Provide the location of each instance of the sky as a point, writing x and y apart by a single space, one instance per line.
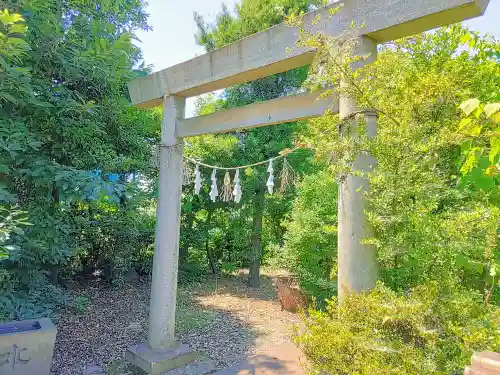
172 39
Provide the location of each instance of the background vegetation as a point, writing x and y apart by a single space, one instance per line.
434 204
74 153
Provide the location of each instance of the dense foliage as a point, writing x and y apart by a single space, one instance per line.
77 182
72 148
258 211
429 331
310 246
434 204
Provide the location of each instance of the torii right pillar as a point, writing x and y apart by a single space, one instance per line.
357 261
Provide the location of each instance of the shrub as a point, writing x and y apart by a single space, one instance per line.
116 239
311 238
432 330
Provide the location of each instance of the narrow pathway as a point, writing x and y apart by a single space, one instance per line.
281 360
225 321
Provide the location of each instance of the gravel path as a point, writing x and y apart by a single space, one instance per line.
224 324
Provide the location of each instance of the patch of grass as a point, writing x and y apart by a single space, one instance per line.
80 303
123 368
191 315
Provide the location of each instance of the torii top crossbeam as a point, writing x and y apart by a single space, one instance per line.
265 53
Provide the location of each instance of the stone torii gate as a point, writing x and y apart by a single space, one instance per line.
254 57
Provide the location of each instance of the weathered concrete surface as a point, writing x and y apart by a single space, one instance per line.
270 112
265 53
357 262
194 368
93 370
168 211
484 363
480 371
285 359
158 361
26 347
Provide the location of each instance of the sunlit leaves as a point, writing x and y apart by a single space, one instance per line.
430 329
494 148
64 112
464 123
478 166
491 108
12 44
11 221
469 106
7 18
435 190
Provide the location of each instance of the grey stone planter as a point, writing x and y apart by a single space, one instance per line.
26 347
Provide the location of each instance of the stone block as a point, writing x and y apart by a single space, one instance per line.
26 347
487 361
195 368
158 361
479 371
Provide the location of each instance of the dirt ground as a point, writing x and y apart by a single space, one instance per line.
224 320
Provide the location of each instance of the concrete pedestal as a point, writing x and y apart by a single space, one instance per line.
158 361
26 347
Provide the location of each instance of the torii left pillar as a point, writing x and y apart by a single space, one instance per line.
162 352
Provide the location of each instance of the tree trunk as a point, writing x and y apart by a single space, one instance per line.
256 254
210 256
184 249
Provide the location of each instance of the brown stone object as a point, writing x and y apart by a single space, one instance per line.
158 361
26 347
480 371
291 297
486 363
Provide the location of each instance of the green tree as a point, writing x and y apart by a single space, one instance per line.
424 217
437 223
310 247
257 144
70 141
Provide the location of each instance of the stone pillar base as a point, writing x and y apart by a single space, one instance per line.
158 361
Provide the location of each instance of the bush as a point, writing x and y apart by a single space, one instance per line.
116 239
20 299
310 246
432 330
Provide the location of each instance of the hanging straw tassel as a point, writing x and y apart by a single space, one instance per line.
214 192
197 180
237 187
287 176
270 180
226 189
185 173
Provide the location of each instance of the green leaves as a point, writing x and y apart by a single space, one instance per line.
64 117
431 329
311 239
480 130
11 43
9 18
494 148
435 190
11 221
464 123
